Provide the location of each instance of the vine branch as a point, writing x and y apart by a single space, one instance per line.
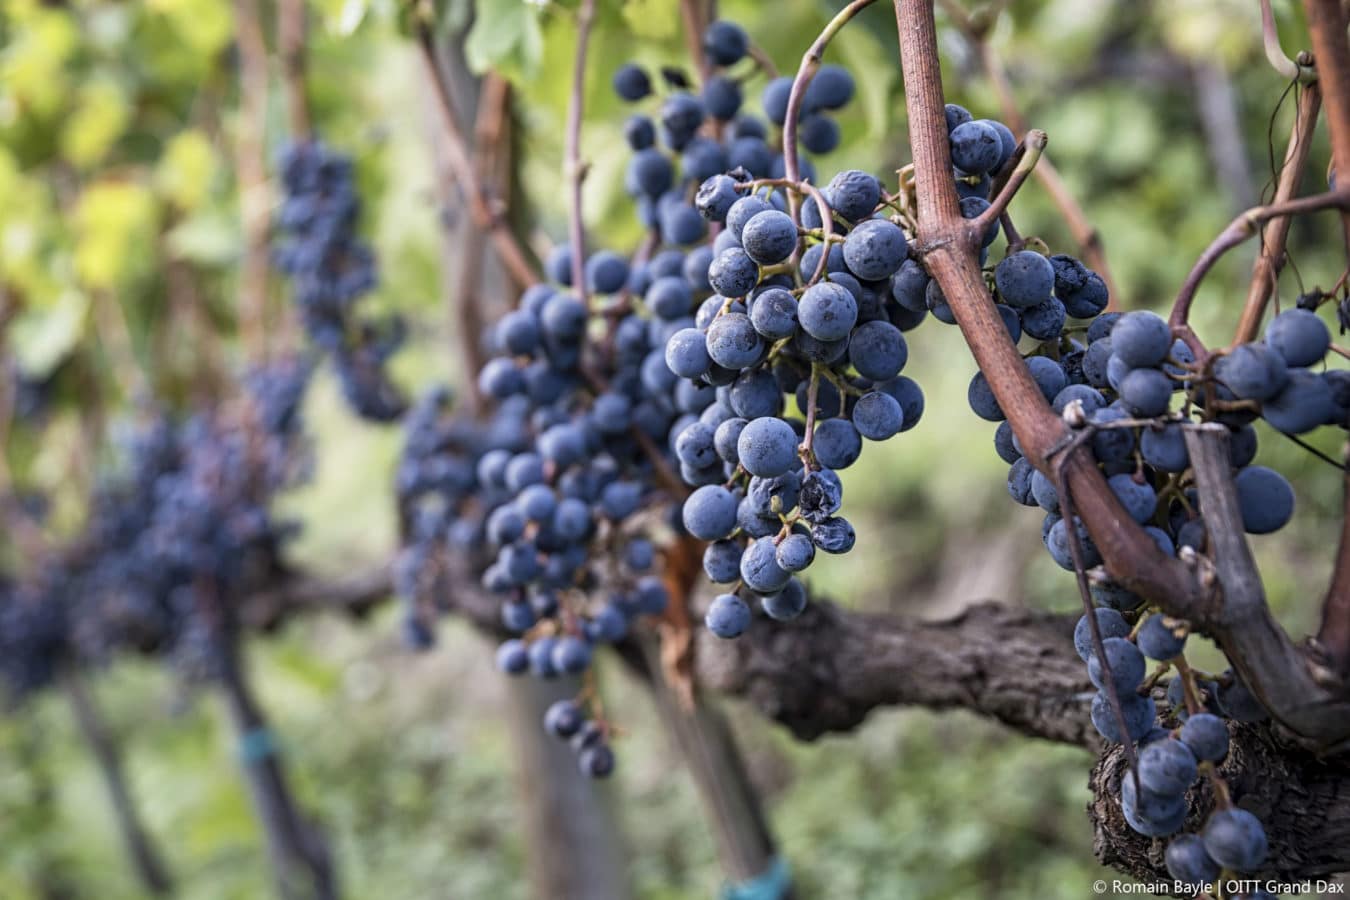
1266 269
509 249
574 170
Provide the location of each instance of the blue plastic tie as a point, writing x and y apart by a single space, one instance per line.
257 745
771 884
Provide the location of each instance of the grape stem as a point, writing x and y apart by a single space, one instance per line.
1333 637
291 28
806 450
1331 50
1070 522
1266 269
255 205
1238 231
694 26
485 214
1031 148
1275 55
805 72
574 170
1084 233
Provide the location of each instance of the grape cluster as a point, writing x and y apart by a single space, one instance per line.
1118 375
173 539
332 268
694 138
793 314
571 491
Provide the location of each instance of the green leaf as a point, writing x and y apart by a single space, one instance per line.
506 36
41 338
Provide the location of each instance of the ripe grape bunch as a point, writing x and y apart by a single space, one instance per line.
571 476
332 268
769 309
175 536
1119 380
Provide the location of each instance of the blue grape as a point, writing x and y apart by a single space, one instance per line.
1165 448
956 115
755 394
1109 622
722 561
727 616
512 657
1126 664
1019 483
878 416
1024 279
722 97
827 311
795 553
774 314
1091 400
1138 498
726 437
787 604
818 133
1044 321
1141 339
631 83
833 535
715 197
1252 372
725 43
694 446
1139 715
878 350
775 99
831 88
853 194
733 273
836 443
980 396
710 513
1048 375
975 147
767 447
1235 839
1007 142
564 718
875 249
820 496
1188 862
759 567
733 343
1167 767
909 395
1147 393
639 132
769 237
1005 444
1265 499
596 761
1299 336
1304 403
649 172
1160 640
606 272
1207 736
1151 814
741 212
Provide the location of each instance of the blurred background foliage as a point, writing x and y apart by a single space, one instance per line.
118 193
